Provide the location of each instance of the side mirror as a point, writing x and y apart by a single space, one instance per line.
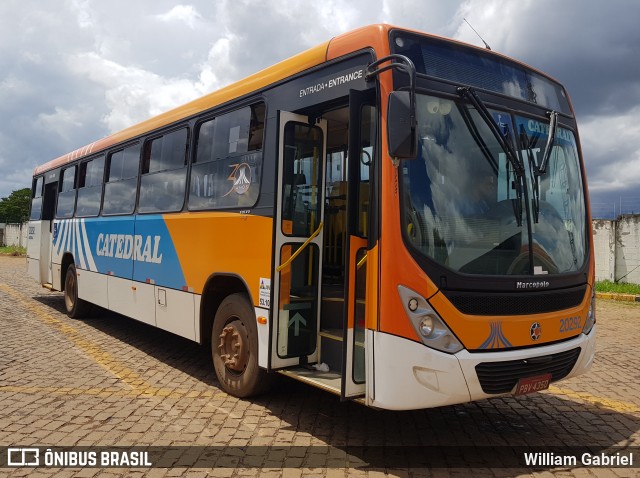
401 127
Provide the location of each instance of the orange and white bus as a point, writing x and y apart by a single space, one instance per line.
394 217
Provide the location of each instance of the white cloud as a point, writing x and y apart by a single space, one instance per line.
186 14
62 122
611 150
133 94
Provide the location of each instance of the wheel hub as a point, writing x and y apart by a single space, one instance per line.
233 346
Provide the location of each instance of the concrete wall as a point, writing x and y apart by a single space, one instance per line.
16 235
617 248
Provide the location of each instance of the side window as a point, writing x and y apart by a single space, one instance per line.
36 199
228 163
67 196
164 173
122 182
90 179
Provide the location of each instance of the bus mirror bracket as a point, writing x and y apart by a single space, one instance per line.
401 112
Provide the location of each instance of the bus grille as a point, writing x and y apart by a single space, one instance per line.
501 377
487 303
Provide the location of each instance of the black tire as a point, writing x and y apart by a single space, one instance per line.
76 308
234 348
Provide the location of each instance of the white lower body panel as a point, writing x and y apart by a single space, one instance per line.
175 312
133 299
408 375
92 287
33 268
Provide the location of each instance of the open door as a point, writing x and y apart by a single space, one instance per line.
47 232
362 133
298 241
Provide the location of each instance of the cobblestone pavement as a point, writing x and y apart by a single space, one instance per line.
110 381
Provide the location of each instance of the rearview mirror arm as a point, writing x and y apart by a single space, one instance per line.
402 63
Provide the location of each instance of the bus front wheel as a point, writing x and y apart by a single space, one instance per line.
76 308
234 348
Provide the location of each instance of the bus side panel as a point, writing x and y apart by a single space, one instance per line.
33 249
229 243
132 299
154 253
175 312
92 287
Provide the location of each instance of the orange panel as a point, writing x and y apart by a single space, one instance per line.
372 36
211 242
474 331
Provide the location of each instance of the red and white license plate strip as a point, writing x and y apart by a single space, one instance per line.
532 384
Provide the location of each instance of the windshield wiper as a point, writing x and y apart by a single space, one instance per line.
475 100
533 170
553 123
507 147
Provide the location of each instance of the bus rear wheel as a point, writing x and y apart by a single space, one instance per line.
76 308
234 348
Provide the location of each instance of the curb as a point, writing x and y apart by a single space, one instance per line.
619 297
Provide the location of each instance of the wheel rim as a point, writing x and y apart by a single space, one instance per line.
69 291
233 346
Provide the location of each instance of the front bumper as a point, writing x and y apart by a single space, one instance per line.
407 375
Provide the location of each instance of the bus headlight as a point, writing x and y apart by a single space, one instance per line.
427 323
426 326
591 315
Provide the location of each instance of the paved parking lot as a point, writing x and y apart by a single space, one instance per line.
110 381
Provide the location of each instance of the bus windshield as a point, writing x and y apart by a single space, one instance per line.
462 201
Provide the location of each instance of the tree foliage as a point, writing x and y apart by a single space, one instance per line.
15 208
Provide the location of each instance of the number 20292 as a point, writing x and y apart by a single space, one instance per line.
569 324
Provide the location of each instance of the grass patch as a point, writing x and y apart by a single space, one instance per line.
13 251
618 287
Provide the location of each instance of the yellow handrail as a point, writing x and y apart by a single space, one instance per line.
361 262
304 245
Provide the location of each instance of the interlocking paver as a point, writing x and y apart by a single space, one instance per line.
112 381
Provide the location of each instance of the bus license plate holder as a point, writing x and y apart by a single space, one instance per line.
532 384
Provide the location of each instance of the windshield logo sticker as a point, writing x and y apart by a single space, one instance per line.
241 178
496 339
535 331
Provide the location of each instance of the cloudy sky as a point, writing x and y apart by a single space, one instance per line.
73 71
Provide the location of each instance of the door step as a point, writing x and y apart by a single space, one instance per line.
48 286
329 381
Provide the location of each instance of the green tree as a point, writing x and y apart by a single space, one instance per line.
15 208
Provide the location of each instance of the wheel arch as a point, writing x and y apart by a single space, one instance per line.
218 286
67 260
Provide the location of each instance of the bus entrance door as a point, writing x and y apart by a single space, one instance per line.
362 132
319 291
47 234
298 238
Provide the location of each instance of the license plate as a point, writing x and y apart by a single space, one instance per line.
532 384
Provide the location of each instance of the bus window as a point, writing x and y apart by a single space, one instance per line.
67 196
368 139
164 173
90 187
228 164
120 190
36 201
302 175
